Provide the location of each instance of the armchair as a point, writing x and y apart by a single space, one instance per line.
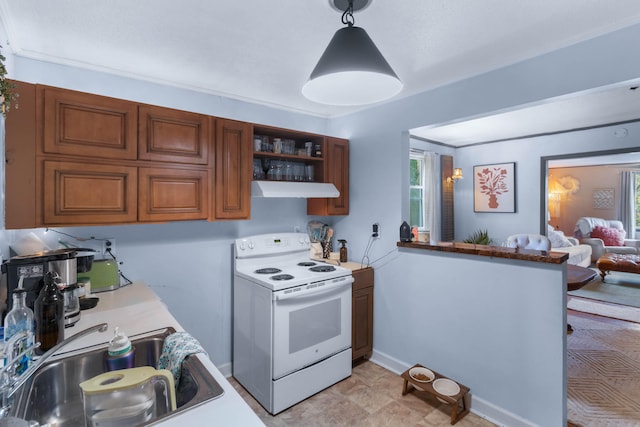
605 237
555 241
529 241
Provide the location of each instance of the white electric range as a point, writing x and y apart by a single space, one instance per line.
292 320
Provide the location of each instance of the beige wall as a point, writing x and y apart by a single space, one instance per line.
581 203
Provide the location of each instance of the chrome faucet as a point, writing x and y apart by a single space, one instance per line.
10 381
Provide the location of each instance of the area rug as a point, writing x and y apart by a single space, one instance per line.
603 374
619 288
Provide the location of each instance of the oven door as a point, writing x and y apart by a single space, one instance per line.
310 323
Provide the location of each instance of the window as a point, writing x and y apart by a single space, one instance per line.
637 177
416 191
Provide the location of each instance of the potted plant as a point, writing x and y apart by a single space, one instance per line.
480 237
7 94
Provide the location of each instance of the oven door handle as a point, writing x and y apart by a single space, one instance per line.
320 288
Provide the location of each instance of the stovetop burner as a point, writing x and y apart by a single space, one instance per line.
322 268
269 270
306 264
279 277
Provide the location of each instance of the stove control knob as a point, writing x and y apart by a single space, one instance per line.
251 245
241 245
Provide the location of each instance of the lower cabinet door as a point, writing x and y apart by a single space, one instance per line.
362 323
75 193
173 194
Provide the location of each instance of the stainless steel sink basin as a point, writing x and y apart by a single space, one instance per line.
53 396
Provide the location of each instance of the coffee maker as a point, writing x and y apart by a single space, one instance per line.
33 269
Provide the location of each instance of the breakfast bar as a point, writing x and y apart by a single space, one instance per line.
465 303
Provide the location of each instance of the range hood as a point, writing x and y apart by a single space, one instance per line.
293 189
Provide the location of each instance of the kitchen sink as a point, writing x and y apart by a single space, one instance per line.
52 395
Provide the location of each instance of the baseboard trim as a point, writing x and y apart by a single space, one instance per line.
479 406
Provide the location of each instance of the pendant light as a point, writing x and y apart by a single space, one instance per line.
351 71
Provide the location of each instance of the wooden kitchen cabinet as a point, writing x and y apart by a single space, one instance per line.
331 166
20 166
300 139
336 172
76 159
88 193
233 169
82 124
174 136
362 314
166 194
84 159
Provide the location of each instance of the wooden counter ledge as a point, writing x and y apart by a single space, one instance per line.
490 251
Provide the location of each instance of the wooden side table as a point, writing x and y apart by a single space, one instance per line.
577 277
456 401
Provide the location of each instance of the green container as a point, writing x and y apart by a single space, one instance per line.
104 275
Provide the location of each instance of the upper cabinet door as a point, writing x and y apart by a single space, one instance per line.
175 136
82 124
166 194
234 170
338 168
336 172
86 193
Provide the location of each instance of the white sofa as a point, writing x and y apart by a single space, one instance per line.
584 227
579 254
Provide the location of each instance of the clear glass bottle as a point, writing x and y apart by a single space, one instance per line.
49 315
18 320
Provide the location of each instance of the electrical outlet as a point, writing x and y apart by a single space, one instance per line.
375 230
109 248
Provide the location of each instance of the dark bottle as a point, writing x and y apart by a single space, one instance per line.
49 314
343 251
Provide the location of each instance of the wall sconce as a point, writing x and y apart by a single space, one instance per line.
457 174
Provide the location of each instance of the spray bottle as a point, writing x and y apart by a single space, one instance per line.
343 250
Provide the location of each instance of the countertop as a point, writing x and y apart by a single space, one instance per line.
136 309
349 264
490 251
353 265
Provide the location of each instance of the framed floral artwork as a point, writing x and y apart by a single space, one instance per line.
494 188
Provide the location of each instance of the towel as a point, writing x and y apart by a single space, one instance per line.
175 349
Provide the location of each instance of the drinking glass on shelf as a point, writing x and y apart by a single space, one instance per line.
288 171
267 147
308 173
277 145
258 172
298 171
266 165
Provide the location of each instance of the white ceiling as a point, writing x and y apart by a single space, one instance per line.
263 51
614 104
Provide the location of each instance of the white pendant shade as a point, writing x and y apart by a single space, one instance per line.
351 71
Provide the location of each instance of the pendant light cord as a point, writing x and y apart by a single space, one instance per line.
347 16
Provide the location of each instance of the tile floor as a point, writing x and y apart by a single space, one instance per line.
371 397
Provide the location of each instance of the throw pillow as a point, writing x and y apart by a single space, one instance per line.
610 236
557 239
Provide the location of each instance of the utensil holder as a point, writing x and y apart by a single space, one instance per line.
327 248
